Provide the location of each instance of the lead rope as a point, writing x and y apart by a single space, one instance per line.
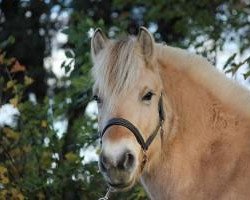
107 196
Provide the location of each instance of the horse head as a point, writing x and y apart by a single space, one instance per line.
129 92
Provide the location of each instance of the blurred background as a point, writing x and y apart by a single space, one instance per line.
48 131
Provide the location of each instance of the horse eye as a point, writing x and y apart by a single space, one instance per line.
97 99
148 96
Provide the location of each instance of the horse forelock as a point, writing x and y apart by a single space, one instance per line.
117 67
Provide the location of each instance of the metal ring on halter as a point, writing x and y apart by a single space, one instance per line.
107 196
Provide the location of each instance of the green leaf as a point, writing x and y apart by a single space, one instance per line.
63 64
11 134
72 157
65 31
69 54
246 75
229 60
6 43
67 68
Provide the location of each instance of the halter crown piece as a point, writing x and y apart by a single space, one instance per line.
144 144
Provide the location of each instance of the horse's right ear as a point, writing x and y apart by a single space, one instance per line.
146 42
98 42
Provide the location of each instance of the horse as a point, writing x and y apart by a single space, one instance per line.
169 119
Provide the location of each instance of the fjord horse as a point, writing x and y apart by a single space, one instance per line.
169 119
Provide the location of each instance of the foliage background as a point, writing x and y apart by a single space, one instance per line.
37 163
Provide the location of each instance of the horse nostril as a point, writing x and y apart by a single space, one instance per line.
124 162
127 161
104 163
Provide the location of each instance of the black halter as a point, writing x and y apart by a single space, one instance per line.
127 124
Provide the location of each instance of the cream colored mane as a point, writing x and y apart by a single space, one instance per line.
116 67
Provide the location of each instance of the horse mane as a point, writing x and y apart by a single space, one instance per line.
202 72
116 67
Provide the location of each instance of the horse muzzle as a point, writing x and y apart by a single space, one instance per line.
118 172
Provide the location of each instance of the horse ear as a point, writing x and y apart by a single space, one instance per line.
146 42
98 42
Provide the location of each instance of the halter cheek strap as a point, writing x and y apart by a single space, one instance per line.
127 124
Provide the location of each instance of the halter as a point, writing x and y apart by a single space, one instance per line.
127 124
133 129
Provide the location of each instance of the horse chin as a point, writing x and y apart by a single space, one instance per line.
122 187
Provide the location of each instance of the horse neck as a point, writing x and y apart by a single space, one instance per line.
198 114
195 89
201 72
202 100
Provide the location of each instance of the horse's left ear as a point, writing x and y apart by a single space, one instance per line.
146 42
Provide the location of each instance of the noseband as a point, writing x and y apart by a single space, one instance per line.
133 129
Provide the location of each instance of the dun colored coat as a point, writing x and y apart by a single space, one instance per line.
204 151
